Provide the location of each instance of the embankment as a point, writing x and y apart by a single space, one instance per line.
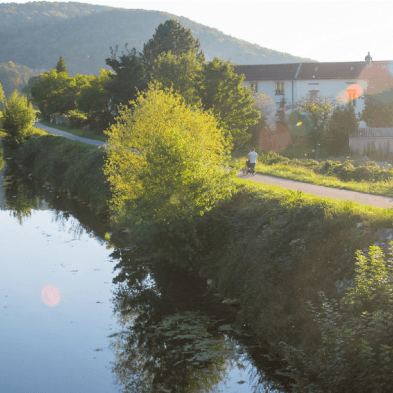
268 248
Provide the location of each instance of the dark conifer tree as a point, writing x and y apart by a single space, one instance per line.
61 66
171 37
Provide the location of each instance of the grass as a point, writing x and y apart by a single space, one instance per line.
309 176
77 131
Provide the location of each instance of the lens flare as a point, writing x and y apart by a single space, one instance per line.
50 295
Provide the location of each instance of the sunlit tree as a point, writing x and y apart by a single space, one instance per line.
165 160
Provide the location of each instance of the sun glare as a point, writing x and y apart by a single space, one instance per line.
50 295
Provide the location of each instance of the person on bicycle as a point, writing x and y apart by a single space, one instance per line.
252 157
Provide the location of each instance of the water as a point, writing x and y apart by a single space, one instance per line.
81 311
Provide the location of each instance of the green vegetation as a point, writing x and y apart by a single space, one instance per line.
356 340
165 161
342 124
273 249
61 66
68 165
76 131
2 96
317 115
171 58
356 175
14 76
17 120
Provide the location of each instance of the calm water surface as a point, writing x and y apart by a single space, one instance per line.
80 311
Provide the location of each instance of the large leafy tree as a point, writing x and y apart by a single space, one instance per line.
94 101
165 160
17 120
178 72
221 91
128 79
56 92
171 37
317 112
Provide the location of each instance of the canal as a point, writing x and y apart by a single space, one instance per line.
82 311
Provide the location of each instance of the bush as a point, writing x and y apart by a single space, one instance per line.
17 120
355 352
165 161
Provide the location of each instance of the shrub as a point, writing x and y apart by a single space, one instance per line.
17 120
355 353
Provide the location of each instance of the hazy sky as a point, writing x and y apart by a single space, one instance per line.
320 30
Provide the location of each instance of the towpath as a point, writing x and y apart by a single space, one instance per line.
321 191
68 135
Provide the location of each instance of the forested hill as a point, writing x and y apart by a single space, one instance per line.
37 33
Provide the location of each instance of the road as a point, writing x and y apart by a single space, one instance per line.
321 191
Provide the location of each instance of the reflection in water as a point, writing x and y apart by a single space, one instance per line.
20 198
174 339
170 337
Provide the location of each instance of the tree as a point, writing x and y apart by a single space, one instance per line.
128 79
221 91
318 112
178 72
378 110
93 100
56 92
61 66
171 37
165 161
342 124
17 120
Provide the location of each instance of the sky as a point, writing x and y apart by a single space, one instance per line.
325 31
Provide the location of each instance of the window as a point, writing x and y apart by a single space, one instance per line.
313 94
352 95
254 87
280 88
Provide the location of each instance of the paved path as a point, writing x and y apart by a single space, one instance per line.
366 199
73 137
322 191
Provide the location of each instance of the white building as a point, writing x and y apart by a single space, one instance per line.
342 83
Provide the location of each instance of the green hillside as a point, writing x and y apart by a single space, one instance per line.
37 33
15 76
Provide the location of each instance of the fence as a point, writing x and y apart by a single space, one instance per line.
378 139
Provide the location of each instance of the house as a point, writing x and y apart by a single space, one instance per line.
340 82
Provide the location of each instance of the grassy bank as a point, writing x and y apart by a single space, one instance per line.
366 177
269 248
68 165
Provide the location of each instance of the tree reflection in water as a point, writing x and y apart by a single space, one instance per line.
173 339
19 197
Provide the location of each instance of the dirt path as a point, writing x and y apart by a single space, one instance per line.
366 199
